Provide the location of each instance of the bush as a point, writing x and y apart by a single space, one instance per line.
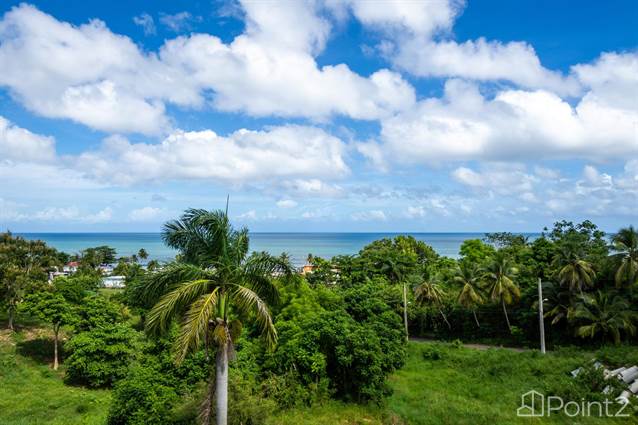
288 391
432 352
333 345
142 398
97 311
101 356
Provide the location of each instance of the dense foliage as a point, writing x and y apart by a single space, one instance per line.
100 356
336 332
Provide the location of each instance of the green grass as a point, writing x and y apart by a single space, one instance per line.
332 413
467 386
31 393
440 384
458 386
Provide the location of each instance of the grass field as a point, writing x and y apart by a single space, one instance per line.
440 384
32 393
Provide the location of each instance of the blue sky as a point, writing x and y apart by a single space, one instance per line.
335 115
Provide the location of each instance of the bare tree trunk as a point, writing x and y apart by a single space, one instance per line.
56 329
507 319
445 319
405 311
11 315
476 318
221 384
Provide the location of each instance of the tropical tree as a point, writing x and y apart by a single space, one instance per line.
574 272
471 295
142 254
625 243
604 313
431 293
12 288
52 308
395 266
558 302
499 276
152 265
23 264
211 291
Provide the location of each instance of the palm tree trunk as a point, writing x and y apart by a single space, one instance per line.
221 385
56 329
445 318
507 319
207 403
476 318
405 311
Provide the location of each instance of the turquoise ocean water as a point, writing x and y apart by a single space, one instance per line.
297 245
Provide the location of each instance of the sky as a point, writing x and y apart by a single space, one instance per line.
334 115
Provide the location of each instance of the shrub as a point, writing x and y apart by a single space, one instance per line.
101 356
142 398
432 352
97 311
334 345
288 391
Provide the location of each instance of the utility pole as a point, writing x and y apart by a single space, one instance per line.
405 311
541 319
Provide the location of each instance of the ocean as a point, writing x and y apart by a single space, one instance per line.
297 245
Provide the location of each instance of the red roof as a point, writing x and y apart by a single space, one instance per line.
73 264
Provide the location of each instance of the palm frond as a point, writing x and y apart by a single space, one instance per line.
174 303
246 301
195 324
155 285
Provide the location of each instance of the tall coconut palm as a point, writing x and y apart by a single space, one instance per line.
430 293
499 276
471 295
625 243
606 314
574 272
211 291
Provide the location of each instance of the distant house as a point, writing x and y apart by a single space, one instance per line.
113 281
308 268
71 267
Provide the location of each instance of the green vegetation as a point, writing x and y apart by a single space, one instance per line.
222 333
441 383
32 393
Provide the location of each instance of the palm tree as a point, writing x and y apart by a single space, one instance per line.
395 269
467 275
574 272
625 243
142 254
558 303
499 274
430 292
605 313
215 286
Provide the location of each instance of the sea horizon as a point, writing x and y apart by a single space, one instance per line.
298 245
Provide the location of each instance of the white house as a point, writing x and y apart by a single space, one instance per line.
113 281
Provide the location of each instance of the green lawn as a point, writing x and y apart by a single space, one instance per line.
440 384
